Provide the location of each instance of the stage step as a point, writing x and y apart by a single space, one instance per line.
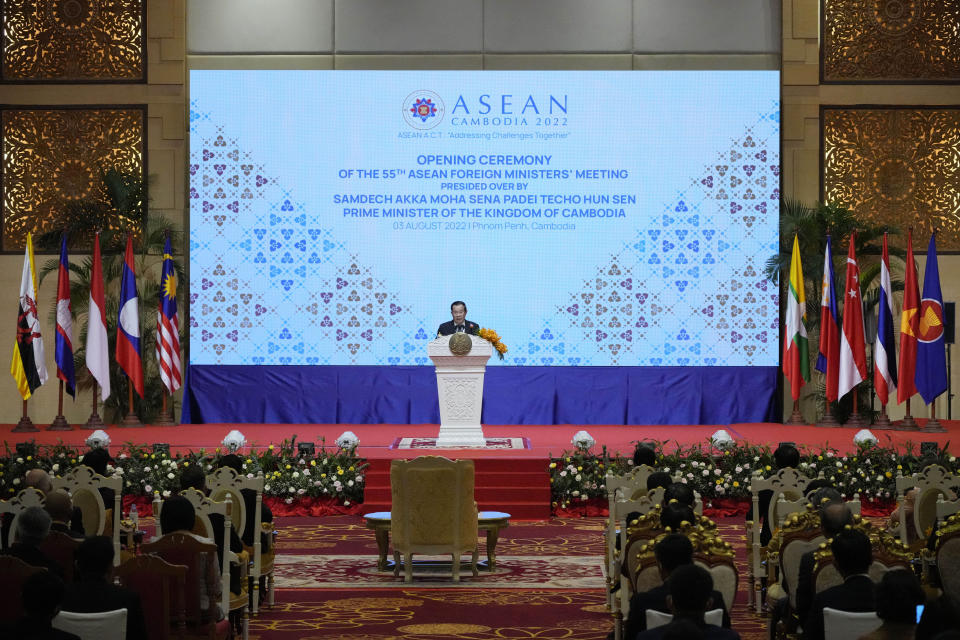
518 486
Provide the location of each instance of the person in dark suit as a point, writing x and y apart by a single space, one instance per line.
193 477
786 456
459 323
249 501
60 507
834 517
690 597
98 459
672 552
94 592
33 525
42 593
852 555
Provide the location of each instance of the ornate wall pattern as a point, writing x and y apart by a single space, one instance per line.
53 157
73 41
890 41
896 166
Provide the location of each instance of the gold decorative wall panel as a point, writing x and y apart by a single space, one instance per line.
54 159
895 41
73 41
895 166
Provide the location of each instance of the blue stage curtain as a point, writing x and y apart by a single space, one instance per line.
512 395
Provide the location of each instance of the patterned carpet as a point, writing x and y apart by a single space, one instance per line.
548 584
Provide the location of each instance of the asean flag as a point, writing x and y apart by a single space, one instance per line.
128 323
931 374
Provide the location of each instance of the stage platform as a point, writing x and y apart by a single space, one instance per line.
377 440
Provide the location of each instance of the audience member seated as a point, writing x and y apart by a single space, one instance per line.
194 478
234 462
98 459
644 454
659 479
93 591
680 492
834 518
786 456
178 516
33 525
897 596
852 555
60 507
672 552
690 597
35 478
940 616
42 594
674 514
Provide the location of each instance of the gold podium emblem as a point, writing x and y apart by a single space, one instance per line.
460 344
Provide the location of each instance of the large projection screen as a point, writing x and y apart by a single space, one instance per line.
612 227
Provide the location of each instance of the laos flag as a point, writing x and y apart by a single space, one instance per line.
128 323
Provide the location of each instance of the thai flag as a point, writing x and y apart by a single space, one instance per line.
884 355
168 326
64 338
828 358
128 323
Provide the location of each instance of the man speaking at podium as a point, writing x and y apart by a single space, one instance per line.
459 324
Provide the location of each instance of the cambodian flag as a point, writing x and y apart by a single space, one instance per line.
128 323
64 338
828 358
884 354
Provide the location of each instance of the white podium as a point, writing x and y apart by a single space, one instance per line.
460 386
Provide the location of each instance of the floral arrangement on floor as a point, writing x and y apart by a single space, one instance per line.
491 336
578 476
333 474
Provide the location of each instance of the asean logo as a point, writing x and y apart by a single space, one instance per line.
931 321
423 110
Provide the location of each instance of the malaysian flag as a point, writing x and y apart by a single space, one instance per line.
168 327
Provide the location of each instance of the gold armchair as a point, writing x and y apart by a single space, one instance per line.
433 511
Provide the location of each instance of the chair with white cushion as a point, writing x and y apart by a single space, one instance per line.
25 499
659 619
933 483
103 625
847 625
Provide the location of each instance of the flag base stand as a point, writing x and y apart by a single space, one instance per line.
94 421
796 418
130 420
60 424
165 419
933 426
856 421
882 422
25 424
907 424
828 419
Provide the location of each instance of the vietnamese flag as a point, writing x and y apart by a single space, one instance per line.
909 327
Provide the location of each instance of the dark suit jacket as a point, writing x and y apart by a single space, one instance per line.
93 596
66 529
656 599
34 557
855 594
32 629
266 515
805 585
710 632
448 328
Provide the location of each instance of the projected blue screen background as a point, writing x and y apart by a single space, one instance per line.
591 218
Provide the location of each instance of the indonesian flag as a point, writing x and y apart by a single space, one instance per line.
828 359
168 327
909 327
128 323
796 365
98 356
884 356
28 367
853 353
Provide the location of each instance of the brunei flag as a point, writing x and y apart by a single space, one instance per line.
796 363
28 367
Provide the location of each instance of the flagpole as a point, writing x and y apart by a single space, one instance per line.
883 420
165 417
908 423
25 424
94 421
855 420
60 422
131 419
933 425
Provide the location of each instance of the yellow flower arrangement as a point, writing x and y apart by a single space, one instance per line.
491 336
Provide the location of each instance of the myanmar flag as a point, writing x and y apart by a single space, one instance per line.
796 363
